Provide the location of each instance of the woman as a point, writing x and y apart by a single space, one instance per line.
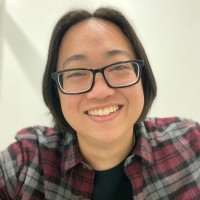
99 87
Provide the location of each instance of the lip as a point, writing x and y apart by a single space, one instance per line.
104 117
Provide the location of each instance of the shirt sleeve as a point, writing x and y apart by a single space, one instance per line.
11 162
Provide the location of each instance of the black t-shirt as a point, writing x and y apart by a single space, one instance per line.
112 184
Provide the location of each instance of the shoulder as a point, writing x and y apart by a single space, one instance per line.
36 131
37 136
173 131
29 141
177 125
25 156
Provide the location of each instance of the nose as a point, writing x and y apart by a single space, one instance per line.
100 89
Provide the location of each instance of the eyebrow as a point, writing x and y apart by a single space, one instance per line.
81 57
76 57
117 52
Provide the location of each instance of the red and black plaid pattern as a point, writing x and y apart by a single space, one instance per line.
44 164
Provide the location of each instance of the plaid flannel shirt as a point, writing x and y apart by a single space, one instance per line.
44 164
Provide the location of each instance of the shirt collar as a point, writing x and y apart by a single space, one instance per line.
143 146
71 155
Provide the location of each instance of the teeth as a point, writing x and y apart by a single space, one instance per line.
104 111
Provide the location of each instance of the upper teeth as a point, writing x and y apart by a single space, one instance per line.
104 111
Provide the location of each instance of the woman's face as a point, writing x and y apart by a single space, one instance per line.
95 43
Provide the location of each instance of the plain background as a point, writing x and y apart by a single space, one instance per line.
169 31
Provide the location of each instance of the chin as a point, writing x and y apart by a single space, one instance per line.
107 138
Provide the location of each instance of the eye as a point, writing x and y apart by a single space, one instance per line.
119 67
76 74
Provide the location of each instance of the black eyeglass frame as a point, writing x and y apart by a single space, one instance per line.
55 76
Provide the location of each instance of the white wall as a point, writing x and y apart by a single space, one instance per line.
169 30
1 36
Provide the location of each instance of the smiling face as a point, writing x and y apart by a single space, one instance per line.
104 115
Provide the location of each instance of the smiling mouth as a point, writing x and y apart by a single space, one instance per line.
104 111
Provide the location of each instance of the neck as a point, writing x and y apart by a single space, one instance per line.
102 156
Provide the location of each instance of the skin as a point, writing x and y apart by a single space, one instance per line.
104 140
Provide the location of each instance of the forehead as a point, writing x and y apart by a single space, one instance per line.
94 39
95 31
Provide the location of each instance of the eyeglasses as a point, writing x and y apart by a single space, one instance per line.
82 80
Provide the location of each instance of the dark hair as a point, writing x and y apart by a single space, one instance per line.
50 91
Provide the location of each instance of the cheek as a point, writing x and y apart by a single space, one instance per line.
139 94
136 98
69 106
137 91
